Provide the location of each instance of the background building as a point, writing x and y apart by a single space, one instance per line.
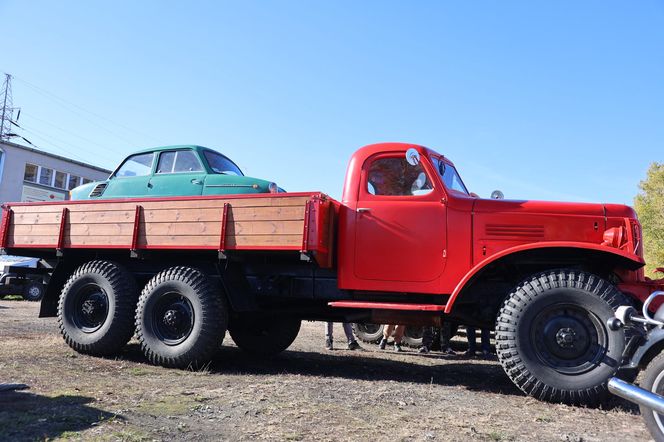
28 174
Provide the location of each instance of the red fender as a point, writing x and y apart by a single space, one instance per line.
636 260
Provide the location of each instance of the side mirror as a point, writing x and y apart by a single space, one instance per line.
413 156
497 195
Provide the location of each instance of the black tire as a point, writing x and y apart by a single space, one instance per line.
653 380
265 336
96 308
369 333
552 339
412 336
181 318
33 291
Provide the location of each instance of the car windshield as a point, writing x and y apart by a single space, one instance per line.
136 165
450 176
221 164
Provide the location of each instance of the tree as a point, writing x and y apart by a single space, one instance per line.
649 204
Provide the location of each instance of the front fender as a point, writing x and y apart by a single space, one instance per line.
627 260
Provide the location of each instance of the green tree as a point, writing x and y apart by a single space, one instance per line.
649 204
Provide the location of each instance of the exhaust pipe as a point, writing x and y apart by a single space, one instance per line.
636 394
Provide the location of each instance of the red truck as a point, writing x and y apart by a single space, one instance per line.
406 244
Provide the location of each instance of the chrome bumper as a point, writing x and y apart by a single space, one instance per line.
636 394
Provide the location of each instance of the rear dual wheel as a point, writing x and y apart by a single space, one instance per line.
181 318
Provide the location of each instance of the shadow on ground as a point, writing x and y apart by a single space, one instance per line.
358 365
28 416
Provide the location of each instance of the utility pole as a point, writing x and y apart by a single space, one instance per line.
7 111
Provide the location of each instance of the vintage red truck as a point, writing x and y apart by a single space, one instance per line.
406 244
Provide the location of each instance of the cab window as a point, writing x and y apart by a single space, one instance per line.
178 161
395 177
450 176
136 165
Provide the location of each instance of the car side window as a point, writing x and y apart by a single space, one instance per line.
395 177
178 162
136 165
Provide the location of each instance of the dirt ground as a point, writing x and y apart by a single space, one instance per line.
305 393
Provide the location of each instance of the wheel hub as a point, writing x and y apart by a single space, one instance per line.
172 318
566 337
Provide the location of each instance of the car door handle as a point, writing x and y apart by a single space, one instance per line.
363 209
196 181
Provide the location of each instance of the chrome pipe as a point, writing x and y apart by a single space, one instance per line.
636 394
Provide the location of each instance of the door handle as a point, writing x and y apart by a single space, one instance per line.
196 181
363 209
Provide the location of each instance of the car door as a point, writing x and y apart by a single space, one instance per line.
400 222
178 173
131 178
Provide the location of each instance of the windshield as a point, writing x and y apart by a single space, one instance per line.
450 177
220 164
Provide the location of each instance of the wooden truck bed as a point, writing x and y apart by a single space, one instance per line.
287 221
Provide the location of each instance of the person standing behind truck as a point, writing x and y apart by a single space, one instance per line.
348 330
395 330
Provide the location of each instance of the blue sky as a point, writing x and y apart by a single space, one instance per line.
544 100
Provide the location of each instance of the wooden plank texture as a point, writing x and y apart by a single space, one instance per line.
270 222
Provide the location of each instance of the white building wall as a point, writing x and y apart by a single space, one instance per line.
12 168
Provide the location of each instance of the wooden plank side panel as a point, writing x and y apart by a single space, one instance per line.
110 205
167 224
239 241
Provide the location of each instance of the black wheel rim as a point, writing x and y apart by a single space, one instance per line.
569 339
173 318
90 308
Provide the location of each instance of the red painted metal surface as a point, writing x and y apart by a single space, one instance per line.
387 306
6 221
137 225
305 232
63 226
224 222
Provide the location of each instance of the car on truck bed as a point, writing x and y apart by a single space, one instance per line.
406 244
174 171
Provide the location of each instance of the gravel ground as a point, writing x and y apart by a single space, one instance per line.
306 393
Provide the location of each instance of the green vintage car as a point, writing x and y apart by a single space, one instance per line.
174 171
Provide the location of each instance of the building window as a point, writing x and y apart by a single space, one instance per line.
46 176
30 173
74 181
60 180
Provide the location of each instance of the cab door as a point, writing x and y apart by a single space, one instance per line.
400 222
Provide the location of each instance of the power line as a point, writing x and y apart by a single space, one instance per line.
72 108
43 121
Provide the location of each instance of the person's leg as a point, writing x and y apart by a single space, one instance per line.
329 328
350 337
472 346
445 338
387 331
427 339
486 341
398 336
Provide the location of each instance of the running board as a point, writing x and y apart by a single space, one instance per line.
387 306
